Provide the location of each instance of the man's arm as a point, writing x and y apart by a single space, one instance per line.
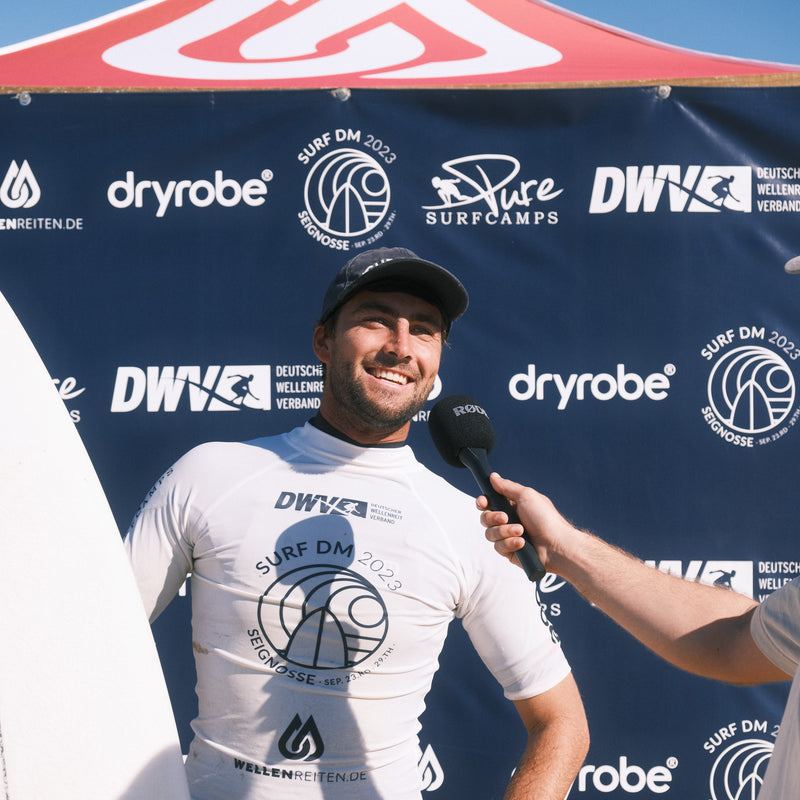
558 740
699 628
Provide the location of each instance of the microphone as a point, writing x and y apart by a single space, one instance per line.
463 435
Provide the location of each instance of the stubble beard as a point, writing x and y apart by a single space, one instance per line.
368 412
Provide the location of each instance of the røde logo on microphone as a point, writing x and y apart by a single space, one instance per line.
468 409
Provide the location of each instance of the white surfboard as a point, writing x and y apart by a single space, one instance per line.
84 711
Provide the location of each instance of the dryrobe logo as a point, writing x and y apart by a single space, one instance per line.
19 188
626 777
487 190
200 193
751 388
742 752
692 189
554 387
347 193
323 616
218 388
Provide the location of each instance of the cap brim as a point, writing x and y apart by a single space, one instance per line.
430 280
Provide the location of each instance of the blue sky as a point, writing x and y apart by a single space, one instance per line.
765 30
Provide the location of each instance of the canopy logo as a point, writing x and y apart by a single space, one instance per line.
228 388
751 388
488 185
693 189
19 188
347 194
380 38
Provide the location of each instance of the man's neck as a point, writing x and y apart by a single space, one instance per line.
322 424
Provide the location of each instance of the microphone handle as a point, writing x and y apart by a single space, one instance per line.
476 461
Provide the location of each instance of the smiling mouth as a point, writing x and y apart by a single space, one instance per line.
389 375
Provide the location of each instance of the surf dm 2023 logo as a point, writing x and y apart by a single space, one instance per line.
752 394
347 193
741 750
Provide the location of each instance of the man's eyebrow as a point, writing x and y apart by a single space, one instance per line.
434 319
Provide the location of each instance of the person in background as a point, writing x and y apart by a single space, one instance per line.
707 630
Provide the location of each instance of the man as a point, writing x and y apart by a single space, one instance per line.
708 630
327 564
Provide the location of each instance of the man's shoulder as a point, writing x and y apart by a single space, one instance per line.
435 485
222 455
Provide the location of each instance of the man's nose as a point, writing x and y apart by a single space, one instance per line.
399 343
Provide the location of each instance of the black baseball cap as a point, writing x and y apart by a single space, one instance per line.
397 269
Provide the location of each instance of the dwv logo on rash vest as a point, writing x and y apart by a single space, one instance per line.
217 388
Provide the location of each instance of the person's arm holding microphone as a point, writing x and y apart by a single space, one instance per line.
699 628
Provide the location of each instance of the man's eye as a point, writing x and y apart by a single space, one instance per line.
425 330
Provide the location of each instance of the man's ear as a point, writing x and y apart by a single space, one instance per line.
321 343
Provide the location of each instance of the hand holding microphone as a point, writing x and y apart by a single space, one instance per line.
463 435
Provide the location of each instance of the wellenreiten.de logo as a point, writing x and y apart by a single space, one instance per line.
347 194
19 192
19 188
751 393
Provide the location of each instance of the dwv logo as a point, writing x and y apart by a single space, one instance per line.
19 188
228 388
736 575
695 189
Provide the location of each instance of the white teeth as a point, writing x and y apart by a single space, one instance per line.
395 377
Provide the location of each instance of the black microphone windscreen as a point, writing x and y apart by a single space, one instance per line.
456 422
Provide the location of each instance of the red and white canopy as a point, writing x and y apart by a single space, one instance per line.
192 44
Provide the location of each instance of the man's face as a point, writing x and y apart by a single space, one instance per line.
381 363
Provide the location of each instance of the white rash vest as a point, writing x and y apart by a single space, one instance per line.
324 576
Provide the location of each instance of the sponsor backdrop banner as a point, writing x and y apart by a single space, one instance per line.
632 334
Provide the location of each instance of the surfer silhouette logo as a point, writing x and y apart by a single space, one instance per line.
241 389
722 189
